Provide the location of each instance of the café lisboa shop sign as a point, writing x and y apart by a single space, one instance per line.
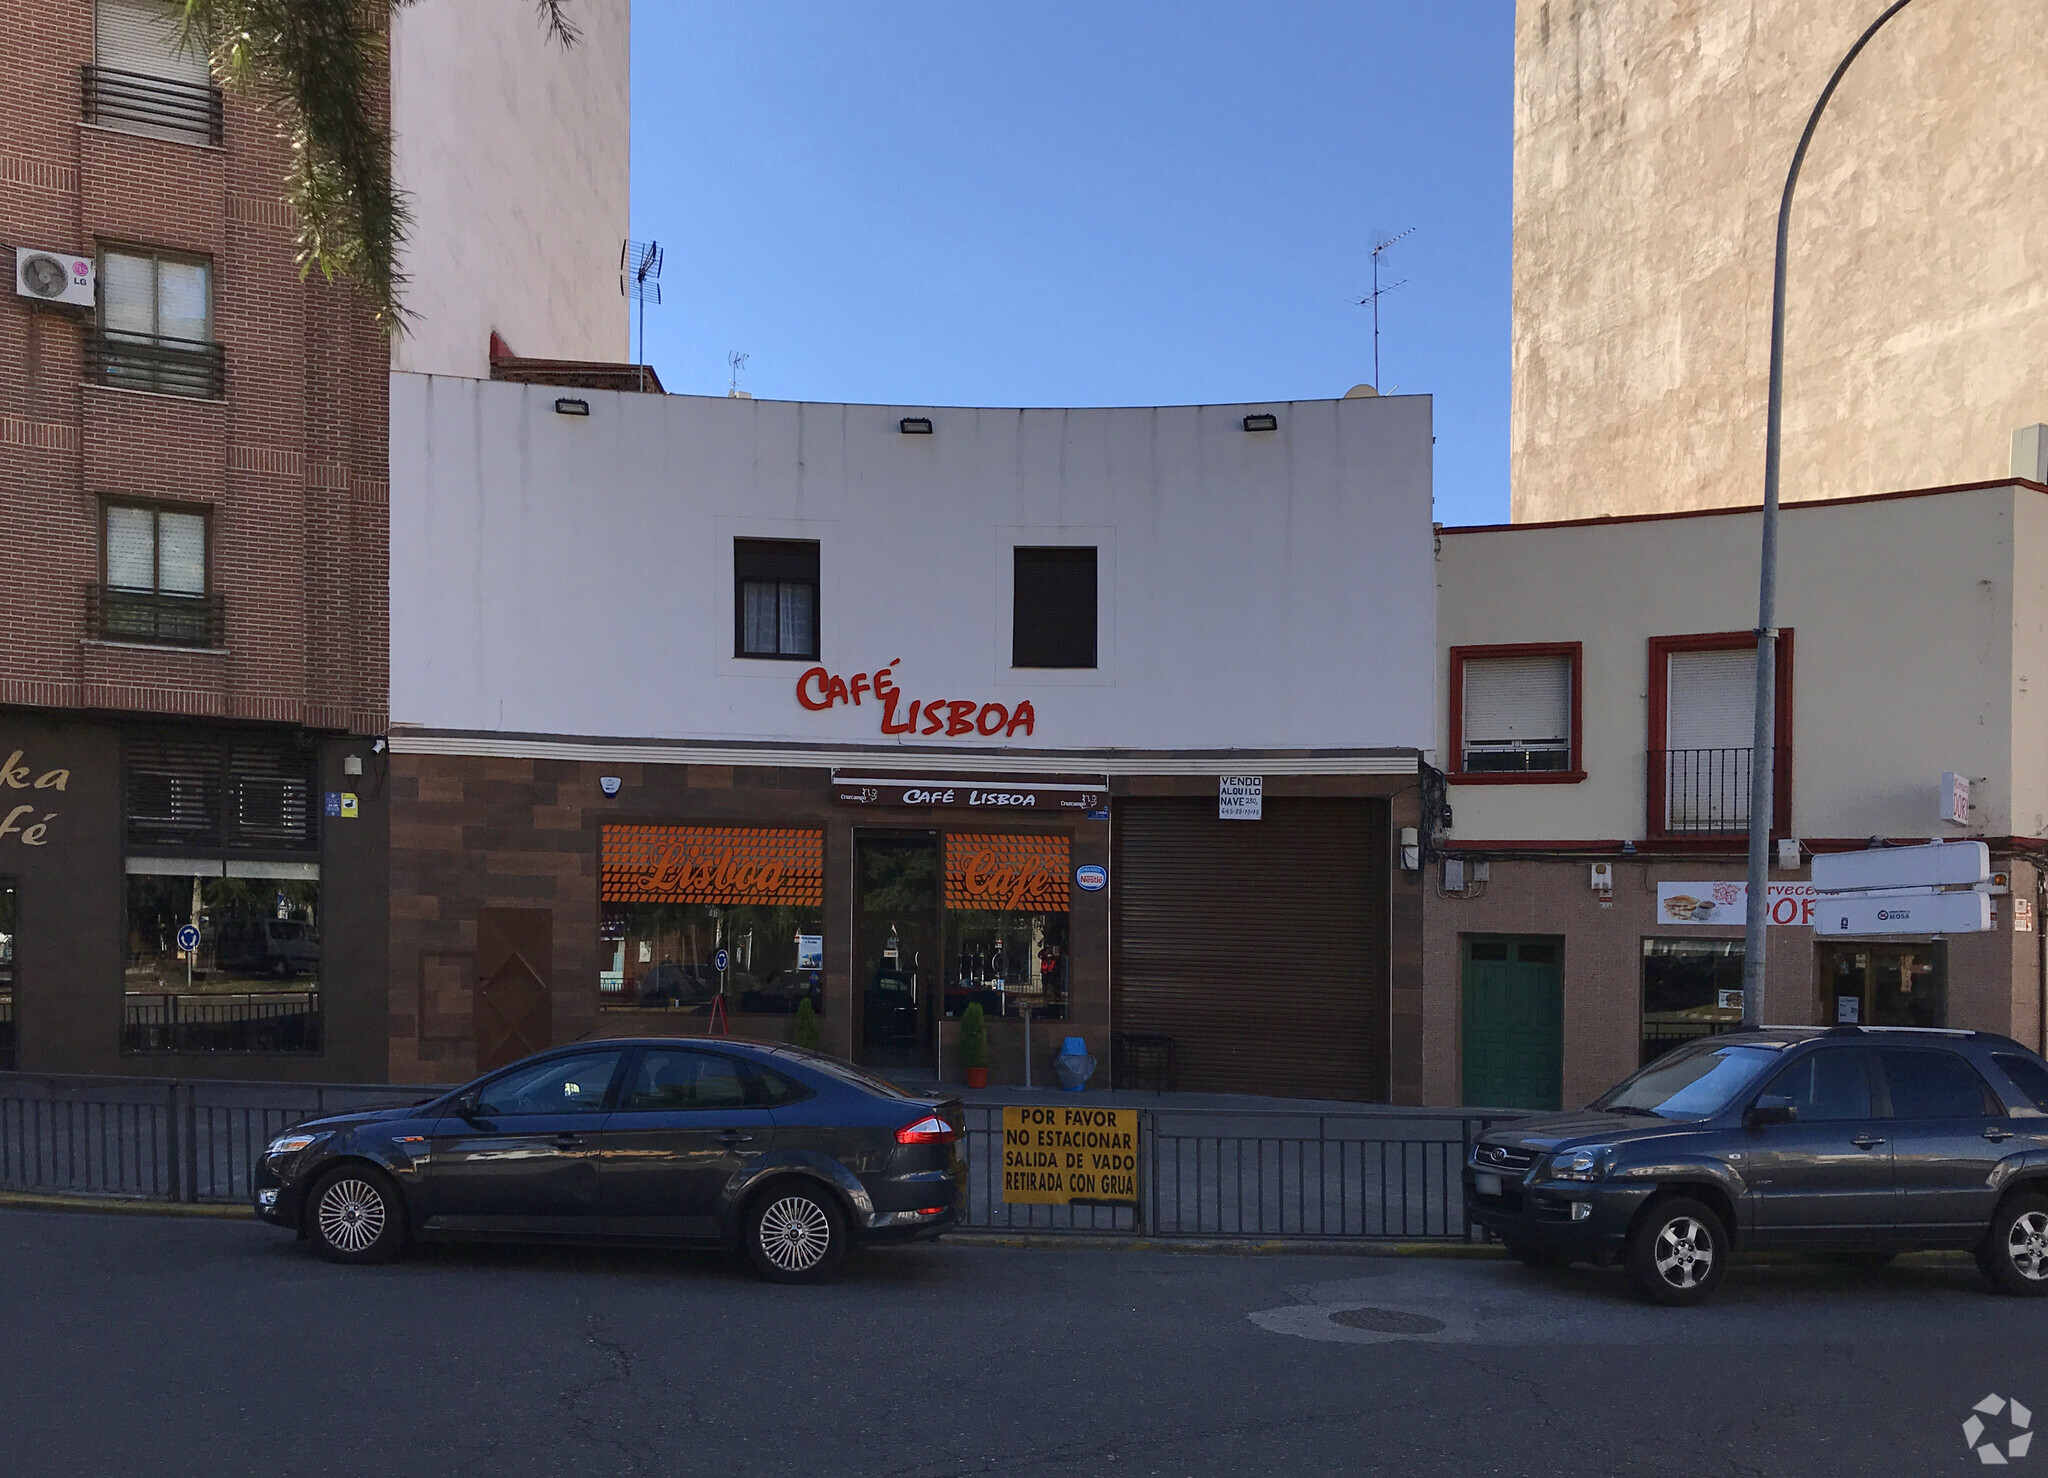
819 689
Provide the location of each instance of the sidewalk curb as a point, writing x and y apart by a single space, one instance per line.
1226 1246
120 1206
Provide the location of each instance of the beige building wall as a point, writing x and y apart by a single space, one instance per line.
1913 618
512 150
1651 142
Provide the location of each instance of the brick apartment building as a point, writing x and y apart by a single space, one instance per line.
194 481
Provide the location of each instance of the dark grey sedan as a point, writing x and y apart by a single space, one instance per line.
787 1155
1856 1142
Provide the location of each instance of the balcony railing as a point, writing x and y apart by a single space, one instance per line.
160 620
1705 792
154 105
151 362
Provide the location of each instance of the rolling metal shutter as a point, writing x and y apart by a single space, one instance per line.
1712 700
141 36
1259 947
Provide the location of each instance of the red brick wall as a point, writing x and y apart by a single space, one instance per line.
292 463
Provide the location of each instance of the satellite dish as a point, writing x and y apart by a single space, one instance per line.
1361 392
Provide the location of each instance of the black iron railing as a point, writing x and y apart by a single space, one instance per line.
166 366
1358 1175
1368 1174
1703 792
160 620
158 105
262 1021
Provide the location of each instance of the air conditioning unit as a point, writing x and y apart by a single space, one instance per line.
54 276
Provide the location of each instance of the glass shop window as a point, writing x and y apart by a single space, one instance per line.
220 963
678 899
1007 925
1691 988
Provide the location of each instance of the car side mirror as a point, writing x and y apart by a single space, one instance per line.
1772 1108
465 1106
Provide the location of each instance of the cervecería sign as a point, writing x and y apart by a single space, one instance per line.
1065 1156
819 689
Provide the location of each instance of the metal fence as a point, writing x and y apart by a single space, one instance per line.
1352 1175
152 1139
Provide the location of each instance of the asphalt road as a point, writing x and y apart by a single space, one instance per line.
170 1347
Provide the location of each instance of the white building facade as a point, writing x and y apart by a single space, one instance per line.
896 711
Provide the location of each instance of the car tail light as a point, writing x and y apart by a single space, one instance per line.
931 1129
929 1211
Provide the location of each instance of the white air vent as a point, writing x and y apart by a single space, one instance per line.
53 276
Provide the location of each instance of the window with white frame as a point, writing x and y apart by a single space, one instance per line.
1516 713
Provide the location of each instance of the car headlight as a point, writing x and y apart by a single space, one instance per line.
291 1144
1587 1163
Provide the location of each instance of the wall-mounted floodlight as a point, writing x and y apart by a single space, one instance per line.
567 407
1262 423
915 425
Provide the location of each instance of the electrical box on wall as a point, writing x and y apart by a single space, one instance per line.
1454 874
1788 853
1411 849
1603 877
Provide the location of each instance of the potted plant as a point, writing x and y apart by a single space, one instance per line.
808 1033
974 1045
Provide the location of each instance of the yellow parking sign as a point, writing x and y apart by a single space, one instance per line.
1059 1156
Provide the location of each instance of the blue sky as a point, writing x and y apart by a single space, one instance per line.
1117 203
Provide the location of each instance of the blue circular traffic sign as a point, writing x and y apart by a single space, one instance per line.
721 959
188 938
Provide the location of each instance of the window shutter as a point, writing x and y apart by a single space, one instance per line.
131 548
183 301
1518 698
142 36
128 293
173 790
1711 700
271 784
181 553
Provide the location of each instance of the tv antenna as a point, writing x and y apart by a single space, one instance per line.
640 280
1372 299
736 362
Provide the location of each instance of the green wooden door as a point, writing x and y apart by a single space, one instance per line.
1514 1022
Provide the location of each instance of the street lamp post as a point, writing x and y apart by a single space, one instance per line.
1762 766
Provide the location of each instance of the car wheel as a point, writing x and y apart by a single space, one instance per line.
355 1215
1678 1252
2014 1253
795 1234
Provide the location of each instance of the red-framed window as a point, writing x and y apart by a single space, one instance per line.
1516 714
1702 702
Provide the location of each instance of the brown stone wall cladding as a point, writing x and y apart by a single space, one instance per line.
1993 979
472 833
290 464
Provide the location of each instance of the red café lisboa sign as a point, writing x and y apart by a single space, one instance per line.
819 689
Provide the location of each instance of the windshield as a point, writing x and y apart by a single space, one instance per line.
1692 1085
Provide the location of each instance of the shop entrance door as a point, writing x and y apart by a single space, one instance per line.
1902 984
1514 1022
896 927
8 914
